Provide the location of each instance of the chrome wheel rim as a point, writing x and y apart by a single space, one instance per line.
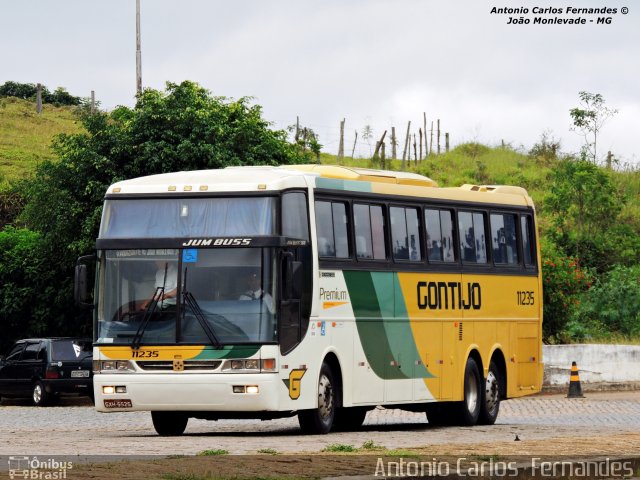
325 397
492 394
471 393
37 394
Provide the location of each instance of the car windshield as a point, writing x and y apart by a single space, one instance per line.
193 296
68 350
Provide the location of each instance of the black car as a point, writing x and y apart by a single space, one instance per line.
44 368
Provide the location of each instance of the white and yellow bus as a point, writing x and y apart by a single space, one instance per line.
321 291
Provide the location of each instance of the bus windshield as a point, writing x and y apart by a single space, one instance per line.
189 296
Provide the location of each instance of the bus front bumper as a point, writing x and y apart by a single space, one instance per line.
254 392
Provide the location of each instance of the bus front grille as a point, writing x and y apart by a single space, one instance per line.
188 365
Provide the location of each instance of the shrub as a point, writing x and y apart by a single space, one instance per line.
563 280
611 306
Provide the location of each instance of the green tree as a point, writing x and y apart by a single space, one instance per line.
182 128
588 120
31 300
584 207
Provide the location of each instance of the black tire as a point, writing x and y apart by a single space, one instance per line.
348 419
439 414
466 413
490 405
39 395
169 424
320 420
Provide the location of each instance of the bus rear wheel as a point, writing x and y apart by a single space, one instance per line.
320 420
169 424
491 397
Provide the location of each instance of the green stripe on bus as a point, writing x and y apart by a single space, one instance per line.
228 351
409 345
370 322
336 184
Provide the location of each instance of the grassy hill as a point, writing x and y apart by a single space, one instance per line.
25 140
479 164
25 136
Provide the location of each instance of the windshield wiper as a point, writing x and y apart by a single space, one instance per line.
148 313
189 300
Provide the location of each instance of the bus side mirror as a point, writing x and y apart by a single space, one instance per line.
80 284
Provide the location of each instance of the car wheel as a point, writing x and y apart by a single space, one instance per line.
490 405
169 424
347 419
320 420
39 395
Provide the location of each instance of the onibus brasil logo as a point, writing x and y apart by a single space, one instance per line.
41 469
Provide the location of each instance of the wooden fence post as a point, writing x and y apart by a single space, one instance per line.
297 135
382 156
424 127
609 159
431 141
341 144
438 136
39 98
378 144
420 130
446 142
393 143
415 153
353 151
406 143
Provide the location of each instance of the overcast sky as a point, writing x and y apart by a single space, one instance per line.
376 62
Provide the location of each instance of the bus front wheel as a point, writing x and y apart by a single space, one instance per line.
169 424
320 420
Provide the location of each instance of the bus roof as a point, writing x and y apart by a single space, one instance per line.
334 177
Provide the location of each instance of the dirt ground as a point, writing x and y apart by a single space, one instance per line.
361 463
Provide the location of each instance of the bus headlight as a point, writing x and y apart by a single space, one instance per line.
250 365
113 366
241 366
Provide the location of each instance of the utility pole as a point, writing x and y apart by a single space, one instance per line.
138 53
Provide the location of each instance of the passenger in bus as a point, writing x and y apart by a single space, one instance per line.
255 292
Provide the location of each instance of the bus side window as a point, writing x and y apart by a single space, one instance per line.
503 239
527 240
473 245
332 228
295 221
439 225
405 234
368 223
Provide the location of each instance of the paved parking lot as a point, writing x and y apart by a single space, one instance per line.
76 429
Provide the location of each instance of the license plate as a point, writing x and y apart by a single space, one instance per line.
79 373
124 403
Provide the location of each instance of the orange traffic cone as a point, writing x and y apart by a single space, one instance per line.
575 390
